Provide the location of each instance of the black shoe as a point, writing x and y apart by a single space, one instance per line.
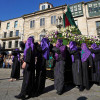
37 94
81 88
20 96
59 93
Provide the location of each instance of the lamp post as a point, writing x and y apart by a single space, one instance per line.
59 22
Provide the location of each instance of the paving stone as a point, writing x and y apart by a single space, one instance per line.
9 89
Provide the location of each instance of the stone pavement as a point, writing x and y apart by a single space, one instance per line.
9 89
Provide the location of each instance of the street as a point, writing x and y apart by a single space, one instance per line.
9 89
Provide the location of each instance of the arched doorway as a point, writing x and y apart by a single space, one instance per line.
42 34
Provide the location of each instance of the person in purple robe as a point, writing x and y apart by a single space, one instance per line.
95 50
59 69
87 62
76 65
28 84
42 55
15 72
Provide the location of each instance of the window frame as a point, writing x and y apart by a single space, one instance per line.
53 20
5 35
32 23
8 25
15 25
93 10
10 34
48 6
4 44
15 44
41 37
10 46
98 26
43 7
42 22
18 33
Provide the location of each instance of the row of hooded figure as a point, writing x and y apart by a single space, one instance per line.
81 58
85 64
34 67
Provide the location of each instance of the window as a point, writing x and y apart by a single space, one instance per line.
32 36
42 36
32 23
42 21
76 9
11 34
43 7
48 6
5 34
17 32
98 27
16 44
10 44
53 19
94 8
4 44
15 24
8 25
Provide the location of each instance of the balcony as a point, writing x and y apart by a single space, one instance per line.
10 37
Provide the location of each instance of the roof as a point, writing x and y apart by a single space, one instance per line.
11 19
45 11
46 3
91 1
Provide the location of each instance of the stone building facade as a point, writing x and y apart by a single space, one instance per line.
87 23
38 24
11 33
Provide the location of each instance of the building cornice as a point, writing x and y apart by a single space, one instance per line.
91 1
76 3
11 19
44 11
93 17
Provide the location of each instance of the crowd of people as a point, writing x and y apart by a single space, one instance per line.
84 62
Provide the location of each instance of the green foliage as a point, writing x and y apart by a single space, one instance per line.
72 34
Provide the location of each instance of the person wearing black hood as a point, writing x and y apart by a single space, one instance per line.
95 50
15 73
42 55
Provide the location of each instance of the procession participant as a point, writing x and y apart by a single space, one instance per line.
42 55
29 70
15 73
96 58
10 61
59 69
76 65
22 44
1 60
50 65
87 62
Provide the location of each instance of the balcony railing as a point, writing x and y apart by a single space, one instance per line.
3 37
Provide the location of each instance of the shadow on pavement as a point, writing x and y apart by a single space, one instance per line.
4 78
82 98
49 88
21 78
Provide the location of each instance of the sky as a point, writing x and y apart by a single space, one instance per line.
10 9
